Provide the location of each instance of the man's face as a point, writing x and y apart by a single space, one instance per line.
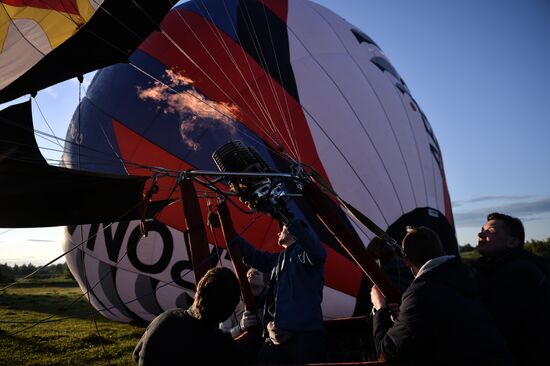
493 239
285 238
256 280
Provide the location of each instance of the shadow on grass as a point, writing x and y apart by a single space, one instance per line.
52 304
56 343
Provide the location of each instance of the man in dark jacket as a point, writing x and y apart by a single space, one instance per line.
515 286
192 337
293 319
440 320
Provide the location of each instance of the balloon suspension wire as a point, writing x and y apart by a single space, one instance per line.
387 118
342 154
92 312
121 51
216 33
252 33
334 197
305 109
128 163
90 288
90 307
285 119
80 245
164 284
82 240
269 128
78 26
369 230
39 160
15 25
226 113
206 74
18 125
210 185
362 126
269 118
83 148
55 139
75 247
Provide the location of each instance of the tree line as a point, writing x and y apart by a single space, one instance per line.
11 273
537 247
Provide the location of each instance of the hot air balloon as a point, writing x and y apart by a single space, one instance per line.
290 80
35 30
40 44
41 41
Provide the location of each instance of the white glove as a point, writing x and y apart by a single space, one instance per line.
249 320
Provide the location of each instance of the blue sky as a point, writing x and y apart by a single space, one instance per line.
480 72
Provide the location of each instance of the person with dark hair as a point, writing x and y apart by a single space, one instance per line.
180 337
391 263
441 320
258 282
515 286
292 316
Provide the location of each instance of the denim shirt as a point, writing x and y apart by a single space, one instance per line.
295 292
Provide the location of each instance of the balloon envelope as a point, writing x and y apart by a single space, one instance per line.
294 81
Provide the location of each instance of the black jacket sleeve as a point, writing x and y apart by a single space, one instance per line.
400 341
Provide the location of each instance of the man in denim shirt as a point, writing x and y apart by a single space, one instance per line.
293 319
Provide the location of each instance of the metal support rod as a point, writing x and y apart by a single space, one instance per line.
230 236
326 211
238 174
195 233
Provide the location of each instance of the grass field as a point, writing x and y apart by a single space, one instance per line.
68 336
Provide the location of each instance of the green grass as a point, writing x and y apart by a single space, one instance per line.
470 257
70 339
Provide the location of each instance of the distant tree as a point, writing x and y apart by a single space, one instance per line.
54 269
67 272
25 269
60 268
540 248
465 248
6 273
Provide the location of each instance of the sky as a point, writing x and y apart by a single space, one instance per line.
480 72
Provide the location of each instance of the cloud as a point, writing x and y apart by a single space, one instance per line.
197 113
523 210
42 240
11 240
489 198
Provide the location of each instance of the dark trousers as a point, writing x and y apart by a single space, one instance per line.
302 348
